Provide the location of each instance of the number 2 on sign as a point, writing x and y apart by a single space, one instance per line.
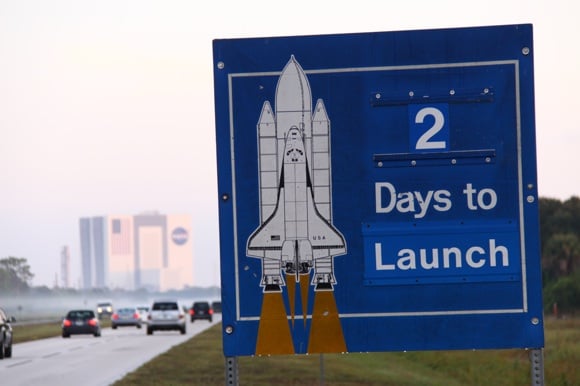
429 128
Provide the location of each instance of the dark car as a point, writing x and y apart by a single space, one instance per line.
81 322
201 310
5 335
126 316
216 306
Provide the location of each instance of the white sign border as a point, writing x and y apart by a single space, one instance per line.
514 62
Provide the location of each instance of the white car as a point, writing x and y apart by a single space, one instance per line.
166 315
144 312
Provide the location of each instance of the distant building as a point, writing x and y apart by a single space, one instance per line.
148 250
65 267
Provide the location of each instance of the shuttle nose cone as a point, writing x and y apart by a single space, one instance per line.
293 91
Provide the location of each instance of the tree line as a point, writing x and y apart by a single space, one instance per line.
560 250
560 238
15 275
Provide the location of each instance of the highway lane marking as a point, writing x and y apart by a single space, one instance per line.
51 355
19 363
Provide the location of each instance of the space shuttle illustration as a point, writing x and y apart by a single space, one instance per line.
296 235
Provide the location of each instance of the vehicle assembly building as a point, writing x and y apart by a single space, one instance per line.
148 250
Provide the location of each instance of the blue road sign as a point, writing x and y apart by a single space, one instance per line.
378 192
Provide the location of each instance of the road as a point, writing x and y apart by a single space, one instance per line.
89 361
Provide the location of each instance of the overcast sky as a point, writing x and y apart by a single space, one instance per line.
106 107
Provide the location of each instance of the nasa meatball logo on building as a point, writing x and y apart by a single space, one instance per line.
179 236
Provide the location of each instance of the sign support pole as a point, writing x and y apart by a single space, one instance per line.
322 370
537 363
232 377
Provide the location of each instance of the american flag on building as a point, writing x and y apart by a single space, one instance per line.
120 236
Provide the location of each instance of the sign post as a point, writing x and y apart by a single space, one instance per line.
378 192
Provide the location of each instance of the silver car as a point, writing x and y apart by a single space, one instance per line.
126 316
166 315
5 335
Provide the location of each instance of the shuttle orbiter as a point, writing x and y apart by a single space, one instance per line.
296 232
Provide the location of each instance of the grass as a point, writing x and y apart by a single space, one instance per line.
25 333
200 361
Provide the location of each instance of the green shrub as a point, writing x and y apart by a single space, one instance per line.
564 292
